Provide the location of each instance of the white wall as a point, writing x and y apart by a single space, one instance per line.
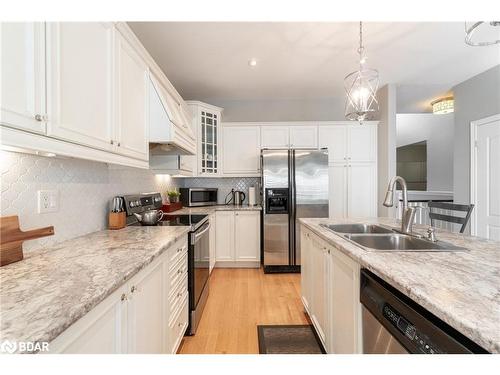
85 189
319 109
386 135
438 131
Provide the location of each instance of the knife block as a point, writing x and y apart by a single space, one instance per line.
117 220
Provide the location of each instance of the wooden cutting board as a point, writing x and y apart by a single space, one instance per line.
12 238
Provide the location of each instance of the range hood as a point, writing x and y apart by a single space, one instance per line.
174 165
170 130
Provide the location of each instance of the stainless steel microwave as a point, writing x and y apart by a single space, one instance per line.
193 197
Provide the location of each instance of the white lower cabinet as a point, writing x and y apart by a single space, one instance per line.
102 331
145 311
330 294
345 313
238 239
149 314
319 260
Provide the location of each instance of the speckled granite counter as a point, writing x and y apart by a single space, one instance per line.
50 289
461 288
220 207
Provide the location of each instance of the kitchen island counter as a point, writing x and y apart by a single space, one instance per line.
461 288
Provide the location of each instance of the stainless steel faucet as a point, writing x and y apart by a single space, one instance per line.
408 212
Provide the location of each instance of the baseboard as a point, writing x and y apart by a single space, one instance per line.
238 264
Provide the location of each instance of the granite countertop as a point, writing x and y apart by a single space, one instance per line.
51 289
461 288
220 207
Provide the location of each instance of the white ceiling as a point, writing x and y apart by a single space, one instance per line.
309 60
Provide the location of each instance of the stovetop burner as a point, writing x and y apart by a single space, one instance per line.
172 220
152 201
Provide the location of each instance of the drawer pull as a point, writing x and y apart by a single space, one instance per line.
133 289
123 297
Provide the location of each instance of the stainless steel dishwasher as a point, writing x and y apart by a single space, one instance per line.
394 324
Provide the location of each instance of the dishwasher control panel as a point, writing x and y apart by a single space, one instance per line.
421 341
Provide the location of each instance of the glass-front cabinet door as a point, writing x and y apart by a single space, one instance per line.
209 142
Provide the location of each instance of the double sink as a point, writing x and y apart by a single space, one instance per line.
379 238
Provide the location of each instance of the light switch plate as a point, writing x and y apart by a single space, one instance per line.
48 201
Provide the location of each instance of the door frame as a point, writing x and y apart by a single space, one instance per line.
474 126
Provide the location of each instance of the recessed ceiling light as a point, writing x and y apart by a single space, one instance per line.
252 62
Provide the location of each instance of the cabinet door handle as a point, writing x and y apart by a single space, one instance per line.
123 297
112 142
39 118
133 289
119 144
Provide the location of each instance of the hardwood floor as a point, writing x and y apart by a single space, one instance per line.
241 299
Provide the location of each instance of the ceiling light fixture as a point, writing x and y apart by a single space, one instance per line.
443 105
252 62
482 27
361 88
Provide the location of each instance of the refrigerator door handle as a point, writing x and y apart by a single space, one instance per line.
293 213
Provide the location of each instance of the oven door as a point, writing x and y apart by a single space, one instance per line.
198 274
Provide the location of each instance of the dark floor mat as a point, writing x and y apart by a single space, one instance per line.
289 339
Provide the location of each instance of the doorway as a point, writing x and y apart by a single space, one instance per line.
485 177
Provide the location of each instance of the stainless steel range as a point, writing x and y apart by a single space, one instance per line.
198 251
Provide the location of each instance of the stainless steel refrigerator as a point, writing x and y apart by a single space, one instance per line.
294 185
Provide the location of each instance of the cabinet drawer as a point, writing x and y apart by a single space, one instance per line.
177 296
177 273
178 326
175 252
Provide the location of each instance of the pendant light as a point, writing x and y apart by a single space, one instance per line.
490 33
361 87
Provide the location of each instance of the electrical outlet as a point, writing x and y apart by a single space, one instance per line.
48 201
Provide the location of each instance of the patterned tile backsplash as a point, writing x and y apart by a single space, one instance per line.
85 189
225 184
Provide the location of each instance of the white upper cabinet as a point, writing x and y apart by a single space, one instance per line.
275 137
335 139
80 82
304 136
206 125
362 142
349 142
23 75
241 150
132 104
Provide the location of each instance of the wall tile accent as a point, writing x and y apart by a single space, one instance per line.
225 184
85 190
